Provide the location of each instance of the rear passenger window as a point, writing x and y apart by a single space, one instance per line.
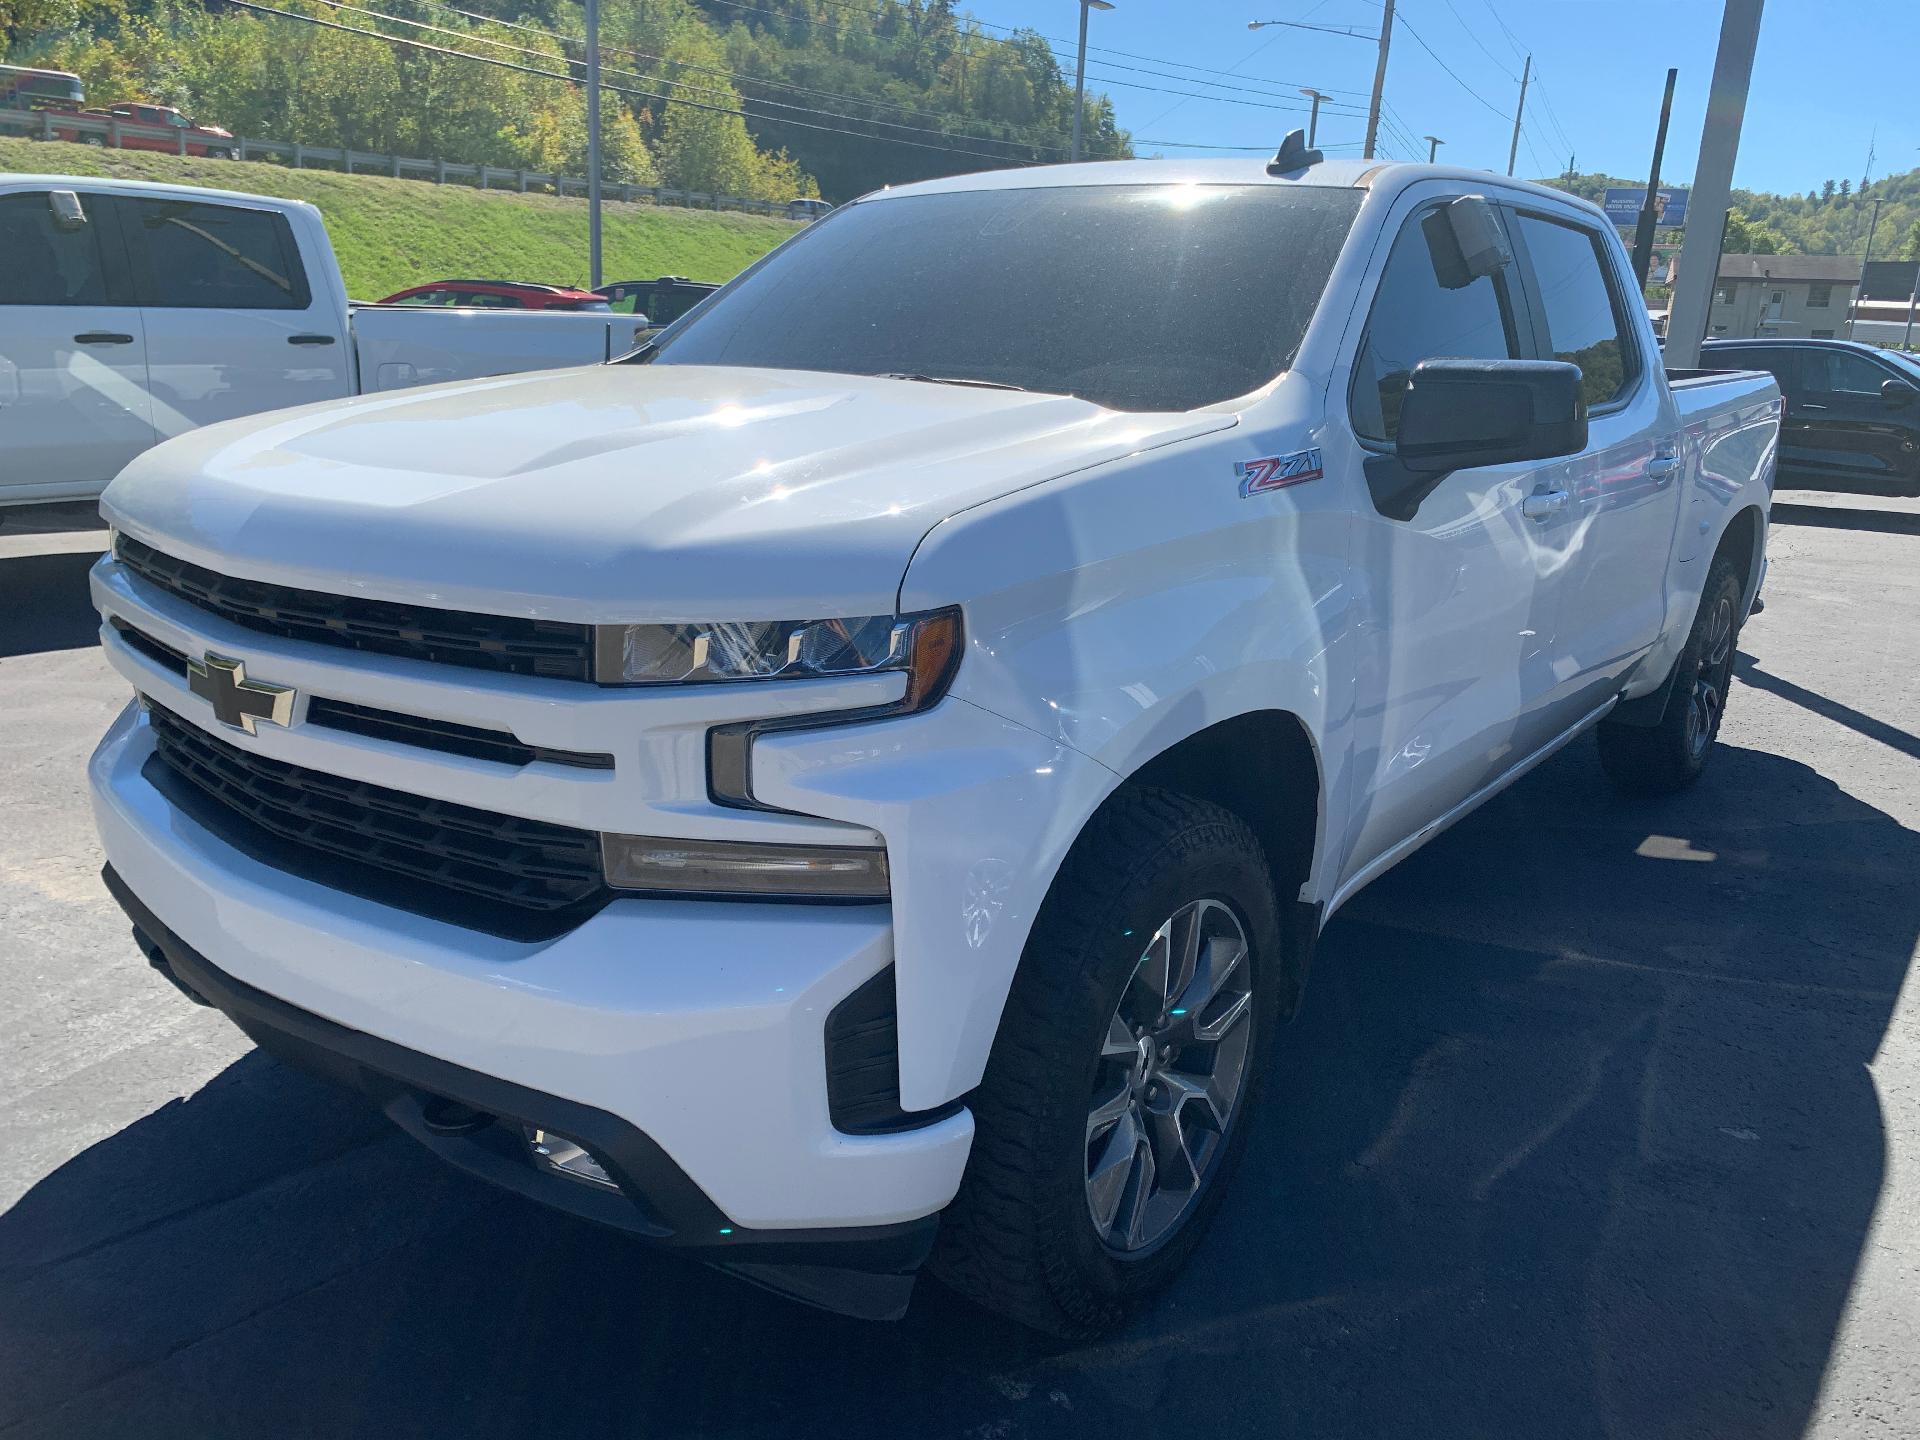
215 257
1584 324
1415 318
1782 364
46 264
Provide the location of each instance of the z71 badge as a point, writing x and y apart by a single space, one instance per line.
1276 472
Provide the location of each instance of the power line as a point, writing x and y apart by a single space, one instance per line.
425 47
643 55
1473 35
1451 72
1055 40
1513 40
681 84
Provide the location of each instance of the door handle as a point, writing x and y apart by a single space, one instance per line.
1663 467
1806 405
1544 504
310 339
102 337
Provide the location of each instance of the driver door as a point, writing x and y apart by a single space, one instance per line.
1455 672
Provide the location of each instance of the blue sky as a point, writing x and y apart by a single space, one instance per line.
1828 74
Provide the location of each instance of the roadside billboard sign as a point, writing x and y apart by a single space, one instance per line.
1623 204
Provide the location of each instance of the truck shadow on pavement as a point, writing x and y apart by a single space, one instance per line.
1574 1136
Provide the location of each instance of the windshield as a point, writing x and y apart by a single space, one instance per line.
1136 297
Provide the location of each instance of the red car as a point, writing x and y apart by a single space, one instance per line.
199 139
499 295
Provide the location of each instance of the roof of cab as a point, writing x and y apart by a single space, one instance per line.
1334 174
117 186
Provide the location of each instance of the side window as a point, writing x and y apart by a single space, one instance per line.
215 257
1577 299
1835 372
47 264
1414 318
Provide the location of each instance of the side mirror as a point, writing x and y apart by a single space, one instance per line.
67 211
1466 242
1460 414
1897 393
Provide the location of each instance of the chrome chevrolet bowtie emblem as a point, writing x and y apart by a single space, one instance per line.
236 700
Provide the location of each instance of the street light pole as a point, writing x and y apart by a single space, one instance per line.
1080 69
1313 120
1379 73
593 141
1434 142
1712 178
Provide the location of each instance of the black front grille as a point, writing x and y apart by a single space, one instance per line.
446 736
553 648
510 876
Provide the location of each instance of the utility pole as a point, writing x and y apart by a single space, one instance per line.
1434 142
1712 179
1649 214
1853 306
1313 120
593 142
1080 69
1513 150
1906 338
1379 80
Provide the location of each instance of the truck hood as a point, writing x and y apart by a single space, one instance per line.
615 493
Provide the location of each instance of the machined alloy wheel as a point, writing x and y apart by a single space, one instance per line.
1709 696
1170 1075
1127 1072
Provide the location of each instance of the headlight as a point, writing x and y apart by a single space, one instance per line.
925 646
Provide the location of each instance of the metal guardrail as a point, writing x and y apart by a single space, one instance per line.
112 132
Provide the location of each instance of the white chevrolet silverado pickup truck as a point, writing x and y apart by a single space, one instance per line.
858 783
132 312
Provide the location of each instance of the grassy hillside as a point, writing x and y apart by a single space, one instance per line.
393 233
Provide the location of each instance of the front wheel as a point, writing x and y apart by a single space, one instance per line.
1117 1098
1670 756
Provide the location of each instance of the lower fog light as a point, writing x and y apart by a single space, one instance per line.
559 1154
745 868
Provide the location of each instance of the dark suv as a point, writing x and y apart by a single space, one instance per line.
1853 411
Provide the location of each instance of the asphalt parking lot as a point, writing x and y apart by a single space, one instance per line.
1602 1119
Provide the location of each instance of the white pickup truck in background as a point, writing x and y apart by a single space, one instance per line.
132 312
861 780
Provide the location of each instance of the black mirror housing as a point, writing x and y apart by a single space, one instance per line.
1897 393
1458 414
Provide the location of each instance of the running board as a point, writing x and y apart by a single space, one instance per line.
1387 859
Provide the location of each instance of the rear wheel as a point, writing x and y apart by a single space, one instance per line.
1670 756
95 140
1117 1098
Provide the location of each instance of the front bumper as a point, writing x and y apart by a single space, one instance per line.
696 1027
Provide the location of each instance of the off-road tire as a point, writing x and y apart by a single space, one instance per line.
1664 758
1020 1237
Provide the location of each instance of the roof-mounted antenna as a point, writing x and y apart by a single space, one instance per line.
1293 155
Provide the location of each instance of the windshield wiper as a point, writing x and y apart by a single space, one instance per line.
947 380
